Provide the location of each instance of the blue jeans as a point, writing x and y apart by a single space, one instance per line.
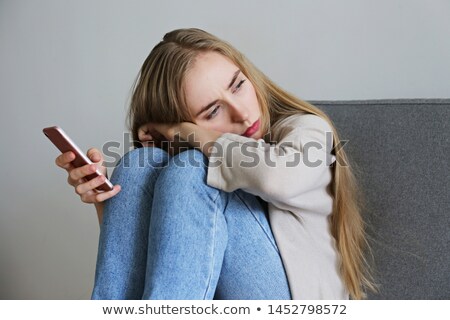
168 235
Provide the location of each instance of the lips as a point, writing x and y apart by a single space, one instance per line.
252 129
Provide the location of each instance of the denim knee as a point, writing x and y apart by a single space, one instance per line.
185 170
138 162
181 188
142 157
192 158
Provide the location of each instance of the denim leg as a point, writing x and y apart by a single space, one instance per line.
205 243
188 233
252 267
122 252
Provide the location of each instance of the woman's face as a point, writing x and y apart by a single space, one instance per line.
221 98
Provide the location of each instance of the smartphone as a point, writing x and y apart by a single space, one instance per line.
63 142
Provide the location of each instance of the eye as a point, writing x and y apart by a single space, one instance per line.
213 113
238 86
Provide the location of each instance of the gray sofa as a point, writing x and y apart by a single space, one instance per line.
402 152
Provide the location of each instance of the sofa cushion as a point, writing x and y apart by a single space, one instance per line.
401 150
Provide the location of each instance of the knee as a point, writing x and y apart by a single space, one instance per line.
142 157
191 158
140 162
183 182
184 169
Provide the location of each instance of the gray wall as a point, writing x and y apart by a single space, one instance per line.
72 63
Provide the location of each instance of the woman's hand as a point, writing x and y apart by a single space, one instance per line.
181 136
157 134
86 189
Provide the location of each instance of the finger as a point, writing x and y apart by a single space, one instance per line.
81 172
100 197
144 134
159 136
166 130
90 185
74 183
88 197
94 154
64 160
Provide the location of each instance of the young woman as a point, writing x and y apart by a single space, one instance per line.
260 207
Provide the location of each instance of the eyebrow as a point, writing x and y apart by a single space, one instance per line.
235 75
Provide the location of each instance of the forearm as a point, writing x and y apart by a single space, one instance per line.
198 137
180 133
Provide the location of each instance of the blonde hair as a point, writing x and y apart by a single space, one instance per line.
158 96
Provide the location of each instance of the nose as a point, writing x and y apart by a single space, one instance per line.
238 112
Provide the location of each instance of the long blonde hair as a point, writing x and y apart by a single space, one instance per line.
158 96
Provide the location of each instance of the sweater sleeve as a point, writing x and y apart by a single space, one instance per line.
297 163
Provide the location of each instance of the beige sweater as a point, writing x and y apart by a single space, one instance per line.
293 176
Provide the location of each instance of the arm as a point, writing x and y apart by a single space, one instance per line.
299 162
194 135
296 164
198 137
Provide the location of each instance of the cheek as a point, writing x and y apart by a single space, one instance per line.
220 125
252 100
